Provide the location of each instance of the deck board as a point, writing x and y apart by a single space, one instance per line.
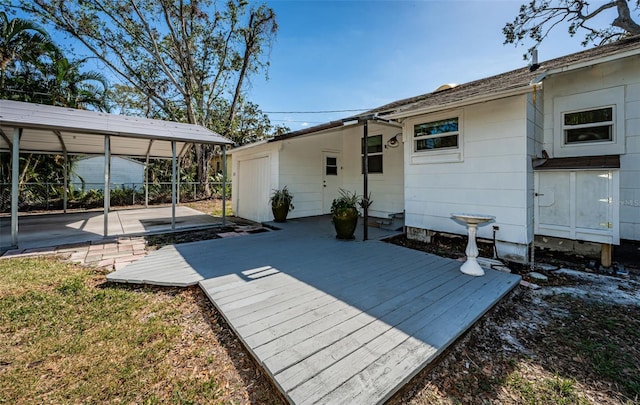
330 321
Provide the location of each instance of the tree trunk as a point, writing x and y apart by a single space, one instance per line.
624 19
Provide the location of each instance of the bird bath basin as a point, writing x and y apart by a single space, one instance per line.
472 221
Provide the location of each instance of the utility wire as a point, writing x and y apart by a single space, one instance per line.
314 112
308 122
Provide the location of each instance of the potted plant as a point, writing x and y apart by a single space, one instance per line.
281 204
344 214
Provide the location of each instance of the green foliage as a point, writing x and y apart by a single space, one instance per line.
184 61
124 195
346 200
281 197
92 198
554 390
34 69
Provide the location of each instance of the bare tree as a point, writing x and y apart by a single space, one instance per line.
183 57
539 17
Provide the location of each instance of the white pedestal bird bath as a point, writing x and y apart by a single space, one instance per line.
472 221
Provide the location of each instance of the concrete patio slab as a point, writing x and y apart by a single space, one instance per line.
60 229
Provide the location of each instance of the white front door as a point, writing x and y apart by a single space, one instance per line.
331 179
578 204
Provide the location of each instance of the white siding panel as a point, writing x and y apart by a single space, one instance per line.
254 188
624 73
387 188
492 178
301 169
261 211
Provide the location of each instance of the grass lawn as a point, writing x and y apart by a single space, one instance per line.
66 336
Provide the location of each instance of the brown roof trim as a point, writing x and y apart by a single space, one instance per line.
583 162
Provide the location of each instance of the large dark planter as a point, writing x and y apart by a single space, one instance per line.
345 221
280 212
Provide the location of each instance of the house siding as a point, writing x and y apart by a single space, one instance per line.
386 188
259 151
298 164
494 176
301 169
622 73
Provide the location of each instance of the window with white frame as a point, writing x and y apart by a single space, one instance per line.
436 135
374 153
586 126
590 123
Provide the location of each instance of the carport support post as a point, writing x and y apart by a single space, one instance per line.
15 181
107 181
365 178
224 185
65 194
178 184
146 183
174 170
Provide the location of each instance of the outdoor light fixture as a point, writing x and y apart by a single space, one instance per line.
394 142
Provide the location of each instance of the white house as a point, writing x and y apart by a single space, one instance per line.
316 162
124 172
551 150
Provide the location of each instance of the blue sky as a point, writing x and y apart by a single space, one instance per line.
360 54
336 55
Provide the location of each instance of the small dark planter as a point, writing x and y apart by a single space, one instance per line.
280 212
345 221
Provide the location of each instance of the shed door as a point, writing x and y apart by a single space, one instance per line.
579 205
254 188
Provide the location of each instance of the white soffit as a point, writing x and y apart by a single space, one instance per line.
82 131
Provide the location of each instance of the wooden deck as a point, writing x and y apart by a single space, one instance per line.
330 321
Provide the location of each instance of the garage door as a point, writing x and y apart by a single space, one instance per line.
254 188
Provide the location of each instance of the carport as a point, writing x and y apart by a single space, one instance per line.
37 128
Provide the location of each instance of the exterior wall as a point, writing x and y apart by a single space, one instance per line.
269 150
386 188
298 163
301 170
490 174
123 172
621 77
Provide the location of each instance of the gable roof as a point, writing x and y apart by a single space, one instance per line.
504 84
512 81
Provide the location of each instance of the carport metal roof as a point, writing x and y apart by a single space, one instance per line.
49 129
37 128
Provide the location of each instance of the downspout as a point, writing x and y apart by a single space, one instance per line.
534 84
